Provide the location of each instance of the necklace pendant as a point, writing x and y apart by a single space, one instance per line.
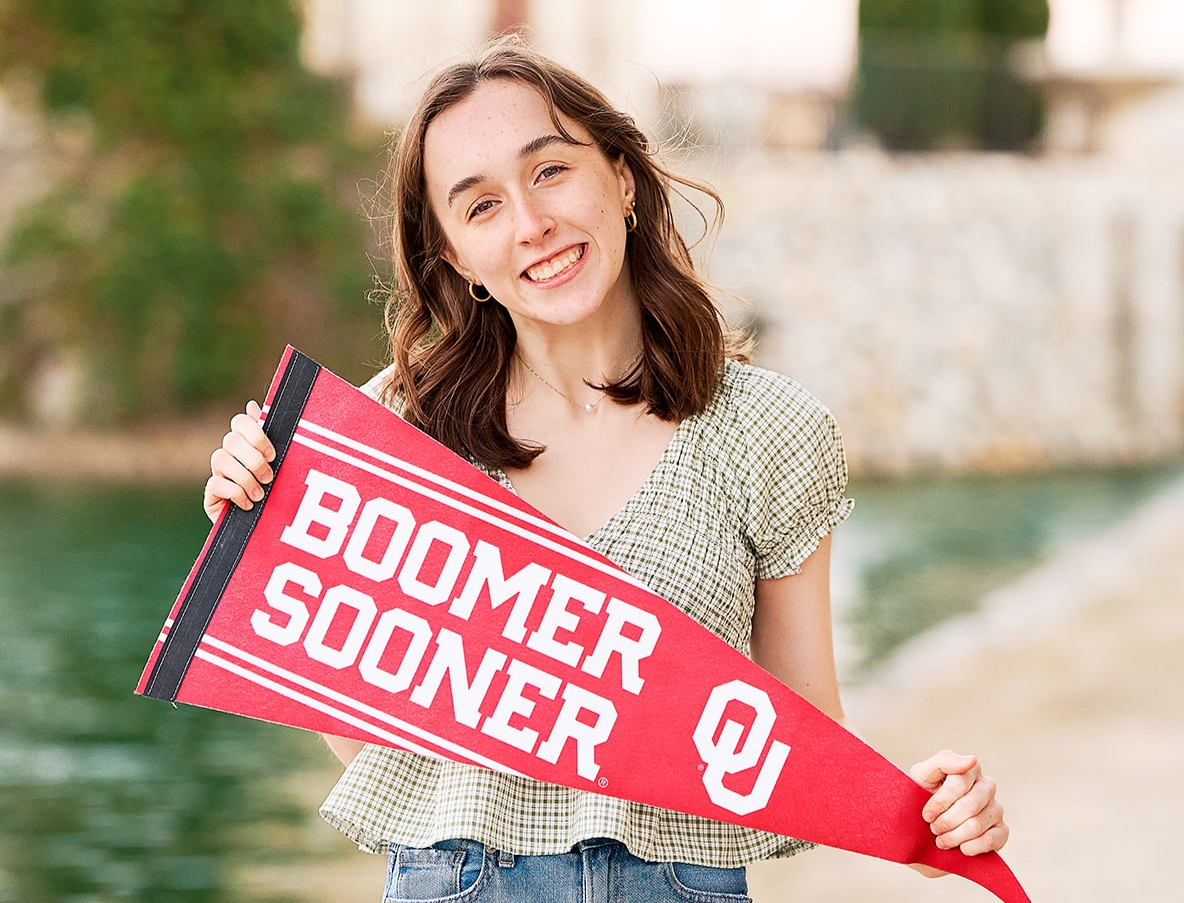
589 407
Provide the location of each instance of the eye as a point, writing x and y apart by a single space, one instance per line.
480 207
550 171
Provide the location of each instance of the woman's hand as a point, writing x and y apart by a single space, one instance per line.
242 466
963 811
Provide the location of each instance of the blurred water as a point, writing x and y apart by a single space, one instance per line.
103 795
914 553
106 796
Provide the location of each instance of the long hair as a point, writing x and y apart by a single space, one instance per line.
452 357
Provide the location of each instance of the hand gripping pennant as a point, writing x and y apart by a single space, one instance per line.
386 590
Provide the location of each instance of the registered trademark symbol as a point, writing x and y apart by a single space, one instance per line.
602 783
701 766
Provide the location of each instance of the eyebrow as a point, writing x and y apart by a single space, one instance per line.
530 147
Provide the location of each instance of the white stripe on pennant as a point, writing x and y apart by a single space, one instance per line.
360 707
309 702
595 563
427 476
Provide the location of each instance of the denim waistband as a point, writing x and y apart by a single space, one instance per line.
594 843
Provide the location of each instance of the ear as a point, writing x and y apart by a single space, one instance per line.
449 257
628 184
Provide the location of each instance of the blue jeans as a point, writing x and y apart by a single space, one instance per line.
595 871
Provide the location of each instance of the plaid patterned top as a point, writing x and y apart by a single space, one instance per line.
745 490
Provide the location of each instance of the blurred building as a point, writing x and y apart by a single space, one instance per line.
729 75
1114 74
992 311
732 75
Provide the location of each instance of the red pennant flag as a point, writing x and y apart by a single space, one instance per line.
386 590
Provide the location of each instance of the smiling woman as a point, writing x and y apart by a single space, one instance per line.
549 325
554 133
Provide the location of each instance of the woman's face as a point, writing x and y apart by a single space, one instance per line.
538 221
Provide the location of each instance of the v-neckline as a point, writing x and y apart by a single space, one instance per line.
675 439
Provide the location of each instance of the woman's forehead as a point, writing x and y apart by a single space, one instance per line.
500 116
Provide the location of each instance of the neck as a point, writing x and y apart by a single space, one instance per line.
587 398
568 359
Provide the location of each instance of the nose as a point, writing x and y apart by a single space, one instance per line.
532 220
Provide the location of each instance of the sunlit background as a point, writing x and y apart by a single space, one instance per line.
958 222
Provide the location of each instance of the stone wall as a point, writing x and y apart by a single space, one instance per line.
969 312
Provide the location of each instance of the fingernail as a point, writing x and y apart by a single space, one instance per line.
941 844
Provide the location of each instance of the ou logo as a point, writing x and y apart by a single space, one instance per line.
726 756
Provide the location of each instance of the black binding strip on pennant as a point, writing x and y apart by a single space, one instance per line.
216 568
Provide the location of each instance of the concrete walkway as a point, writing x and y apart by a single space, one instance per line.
1069 685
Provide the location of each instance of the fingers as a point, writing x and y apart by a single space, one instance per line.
983 832
949 776
246 435
241 467
963 811
219 491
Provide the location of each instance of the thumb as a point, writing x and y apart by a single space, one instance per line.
933 771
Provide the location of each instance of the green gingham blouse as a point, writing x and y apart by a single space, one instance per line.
744 491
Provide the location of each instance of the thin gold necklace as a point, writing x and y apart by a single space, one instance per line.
587 408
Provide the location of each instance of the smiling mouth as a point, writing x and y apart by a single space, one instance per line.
558 264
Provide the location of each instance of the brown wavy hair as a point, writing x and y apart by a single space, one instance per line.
452 357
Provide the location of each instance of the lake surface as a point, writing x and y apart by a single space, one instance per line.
106 796
914 553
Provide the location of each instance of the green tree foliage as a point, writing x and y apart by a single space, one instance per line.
1002 18
217 214
938 73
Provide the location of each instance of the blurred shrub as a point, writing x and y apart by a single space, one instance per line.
937 73
216 217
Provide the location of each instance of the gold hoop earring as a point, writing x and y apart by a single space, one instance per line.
473 293
631 220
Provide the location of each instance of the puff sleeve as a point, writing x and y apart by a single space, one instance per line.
794 473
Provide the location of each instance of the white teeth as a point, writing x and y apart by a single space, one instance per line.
555 265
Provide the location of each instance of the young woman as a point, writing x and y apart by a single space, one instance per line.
548 324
